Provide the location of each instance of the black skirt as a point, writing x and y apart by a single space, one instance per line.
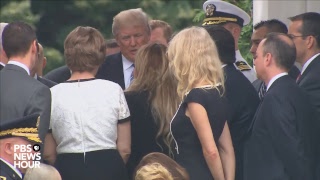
97 165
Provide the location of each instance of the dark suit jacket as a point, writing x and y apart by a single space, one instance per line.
7 173
59 75
112 70
310 82
1 67
46 82
281 145
243 101
22 95
293 72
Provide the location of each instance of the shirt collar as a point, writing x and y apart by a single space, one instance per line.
3 64
275 78
304 67
12 167
126 63
20 65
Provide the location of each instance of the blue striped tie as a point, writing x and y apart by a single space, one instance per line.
132 75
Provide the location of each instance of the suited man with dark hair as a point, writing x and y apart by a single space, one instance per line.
281 145
261 29
21 94
242 97
131 30
305 33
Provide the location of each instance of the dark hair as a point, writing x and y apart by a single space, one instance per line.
178 172
224 42
310 24
284 53
17 38
167 30
273 25
111 43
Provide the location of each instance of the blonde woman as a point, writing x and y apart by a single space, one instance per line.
152 100
201 135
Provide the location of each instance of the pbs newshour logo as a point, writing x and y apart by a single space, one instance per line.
27 156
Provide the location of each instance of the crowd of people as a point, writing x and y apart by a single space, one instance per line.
153 105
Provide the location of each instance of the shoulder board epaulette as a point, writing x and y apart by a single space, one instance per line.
3 178
242 66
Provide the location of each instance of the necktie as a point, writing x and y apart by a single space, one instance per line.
299 76
132 75
262 91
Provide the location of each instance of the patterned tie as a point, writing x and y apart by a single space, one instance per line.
262 91
299 76
132 75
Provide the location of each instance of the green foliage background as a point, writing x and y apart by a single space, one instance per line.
54 19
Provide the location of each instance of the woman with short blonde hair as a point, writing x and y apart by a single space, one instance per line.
199 127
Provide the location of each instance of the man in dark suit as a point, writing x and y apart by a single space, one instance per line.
21 94
3 56
261 29
281 145
131 30
305 33
37 70
13 133
242 97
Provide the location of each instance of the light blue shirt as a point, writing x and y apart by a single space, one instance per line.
127 71
20 65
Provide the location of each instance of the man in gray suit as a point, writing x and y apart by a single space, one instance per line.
22 95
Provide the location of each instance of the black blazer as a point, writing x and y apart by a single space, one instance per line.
293 72
46 82
7 173
112 69
243 101
59 75
1 67
281 145
310 82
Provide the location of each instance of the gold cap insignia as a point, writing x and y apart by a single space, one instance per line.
210 9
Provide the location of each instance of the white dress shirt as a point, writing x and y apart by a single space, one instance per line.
2 64
20 65
127 71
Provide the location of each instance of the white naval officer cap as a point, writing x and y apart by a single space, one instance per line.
219 12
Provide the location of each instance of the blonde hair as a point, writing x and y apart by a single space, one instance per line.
84 49
130 18
44 172
195 60
153 171
177 171
154 76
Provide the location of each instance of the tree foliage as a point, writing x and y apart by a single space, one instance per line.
53 20
244 41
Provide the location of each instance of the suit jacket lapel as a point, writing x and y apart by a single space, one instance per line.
119 71
309 68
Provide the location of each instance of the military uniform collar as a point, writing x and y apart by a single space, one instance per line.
8 172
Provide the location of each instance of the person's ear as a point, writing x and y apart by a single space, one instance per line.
44 63
9 148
